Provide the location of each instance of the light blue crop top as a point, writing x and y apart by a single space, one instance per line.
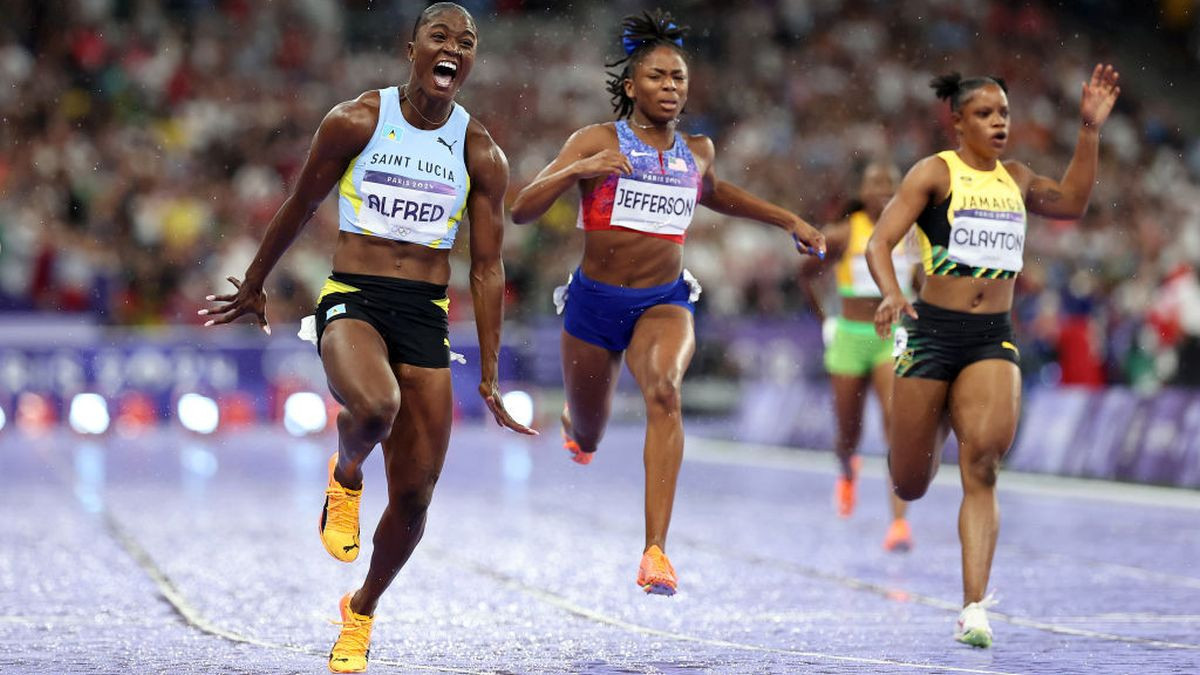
407 184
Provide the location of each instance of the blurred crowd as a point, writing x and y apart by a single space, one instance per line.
146 145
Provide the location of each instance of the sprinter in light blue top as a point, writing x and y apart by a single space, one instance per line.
408 184
399 160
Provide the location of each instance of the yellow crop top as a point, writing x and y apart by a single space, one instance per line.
979 229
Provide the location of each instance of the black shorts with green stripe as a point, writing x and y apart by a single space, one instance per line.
941 342
410 316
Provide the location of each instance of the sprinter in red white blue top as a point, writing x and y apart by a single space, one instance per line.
640 181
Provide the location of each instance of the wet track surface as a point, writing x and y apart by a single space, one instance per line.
176 553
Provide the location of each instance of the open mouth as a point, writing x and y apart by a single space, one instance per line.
1000 136
444 72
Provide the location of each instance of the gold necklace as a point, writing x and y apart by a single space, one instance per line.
404 97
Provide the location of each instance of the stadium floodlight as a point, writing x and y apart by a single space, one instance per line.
519 406
304 413
198 413
89 414
3 419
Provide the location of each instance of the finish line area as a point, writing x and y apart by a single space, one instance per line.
172 552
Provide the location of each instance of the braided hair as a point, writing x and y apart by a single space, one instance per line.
641 35
955 90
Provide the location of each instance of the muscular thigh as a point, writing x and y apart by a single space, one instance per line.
914 433
356 364
917 409
416 448
589 376
663 344
985 404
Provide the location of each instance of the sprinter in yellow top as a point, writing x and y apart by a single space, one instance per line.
955 353
855 356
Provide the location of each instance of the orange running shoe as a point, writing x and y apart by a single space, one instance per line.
577 454
899 537
349 654
338 525
845 490
843 496
655 574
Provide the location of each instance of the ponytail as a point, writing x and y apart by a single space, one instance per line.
955 90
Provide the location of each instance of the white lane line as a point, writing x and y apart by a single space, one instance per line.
901 595
1115 617
719 451
195 619
1140 573
714 451
1128 617
607 619
190 615
896 594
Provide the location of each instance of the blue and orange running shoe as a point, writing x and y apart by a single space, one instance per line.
353 645
338 525
655 574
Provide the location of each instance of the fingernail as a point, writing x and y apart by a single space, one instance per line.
209 322
210 297
267 330
202 312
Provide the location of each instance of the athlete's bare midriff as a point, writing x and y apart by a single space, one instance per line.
365 254
968 294
630 259
860 309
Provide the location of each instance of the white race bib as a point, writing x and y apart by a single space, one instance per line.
863 284
860 274
988 239
398 207
899 341
662 204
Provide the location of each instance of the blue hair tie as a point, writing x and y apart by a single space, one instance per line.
631 44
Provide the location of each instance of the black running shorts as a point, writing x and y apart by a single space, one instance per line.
410 316
942 342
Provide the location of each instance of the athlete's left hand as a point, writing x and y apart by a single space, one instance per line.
1099 95
490 392
808 239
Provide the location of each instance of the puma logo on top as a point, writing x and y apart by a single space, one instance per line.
449 146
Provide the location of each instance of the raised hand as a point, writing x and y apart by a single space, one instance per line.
1099 95
247 300
603 163
495 403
